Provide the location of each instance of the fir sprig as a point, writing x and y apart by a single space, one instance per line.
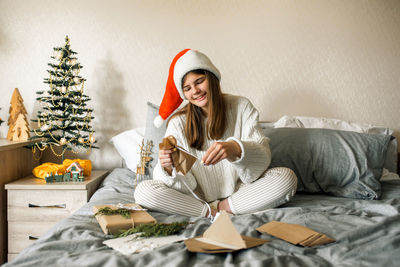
155 229
126 213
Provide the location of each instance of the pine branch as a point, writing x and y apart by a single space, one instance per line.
126 213
155 229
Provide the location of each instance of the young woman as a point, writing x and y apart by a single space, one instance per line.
223 131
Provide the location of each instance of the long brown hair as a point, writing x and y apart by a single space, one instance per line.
216 123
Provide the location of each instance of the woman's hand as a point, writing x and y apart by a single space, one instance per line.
165 159
221 150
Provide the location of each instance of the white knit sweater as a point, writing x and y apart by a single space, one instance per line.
219 180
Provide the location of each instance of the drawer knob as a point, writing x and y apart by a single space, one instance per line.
60 206
33 237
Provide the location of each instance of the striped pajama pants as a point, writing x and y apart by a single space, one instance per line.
274 188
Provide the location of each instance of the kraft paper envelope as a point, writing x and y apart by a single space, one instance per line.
222 236
183 161
295 234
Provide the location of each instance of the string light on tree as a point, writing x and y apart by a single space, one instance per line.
63 141
64 119
92 139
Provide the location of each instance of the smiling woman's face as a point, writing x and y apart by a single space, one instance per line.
195 88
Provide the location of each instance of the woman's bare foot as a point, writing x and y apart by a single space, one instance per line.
224 205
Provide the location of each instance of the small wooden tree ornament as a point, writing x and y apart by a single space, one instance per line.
142 169
18 124
20 131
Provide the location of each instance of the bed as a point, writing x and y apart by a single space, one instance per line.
366 227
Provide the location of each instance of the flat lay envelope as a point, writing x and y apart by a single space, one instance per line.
295 234
223 233
220 237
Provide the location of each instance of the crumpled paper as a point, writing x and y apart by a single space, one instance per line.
47 168
182 160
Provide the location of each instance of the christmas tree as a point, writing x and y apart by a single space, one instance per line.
18 123
64 120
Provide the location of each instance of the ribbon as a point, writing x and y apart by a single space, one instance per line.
183 162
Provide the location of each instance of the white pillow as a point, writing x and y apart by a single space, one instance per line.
128 146
312 122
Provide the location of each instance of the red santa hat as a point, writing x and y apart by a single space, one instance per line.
184 62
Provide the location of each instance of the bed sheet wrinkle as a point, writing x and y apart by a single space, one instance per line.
120 176
367 231
368 245
381 209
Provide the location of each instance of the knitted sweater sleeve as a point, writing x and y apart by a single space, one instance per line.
176 180
256 154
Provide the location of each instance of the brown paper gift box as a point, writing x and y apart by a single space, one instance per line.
113 224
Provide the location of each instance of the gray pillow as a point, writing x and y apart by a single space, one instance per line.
153 134
343 163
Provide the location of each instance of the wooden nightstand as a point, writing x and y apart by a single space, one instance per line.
16 161
34 206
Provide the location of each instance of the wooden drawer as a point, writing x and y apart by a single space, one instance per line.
11 256
22 234
44 205
35 206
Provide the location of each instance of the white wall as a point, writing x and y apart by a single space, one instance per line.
337 59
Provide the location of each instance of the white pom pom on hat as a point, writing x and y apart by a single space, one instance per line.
158 121
184 62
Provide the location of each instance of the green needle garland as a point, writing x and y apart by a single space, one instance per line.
126 213
155 229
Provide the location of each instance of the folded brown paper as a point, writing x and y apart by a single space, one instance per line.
221 237
295 234
183 161
113 224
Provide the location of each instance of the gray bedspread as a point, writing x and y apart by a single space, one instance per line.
367 234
